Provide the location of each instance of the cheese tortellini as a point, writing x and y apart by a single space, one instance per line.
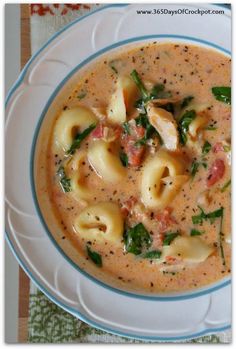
196 125
79 189
121 99
69 123
101 221
189 249
105 161
161 180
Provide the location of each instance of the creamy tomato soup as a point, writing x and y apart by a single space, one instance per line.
132 168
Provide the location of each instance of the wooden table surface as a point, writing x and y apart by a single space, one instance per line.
23 278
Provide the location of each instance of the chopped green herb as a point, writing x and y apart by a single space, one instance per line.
168 107
194 168
64 180
126 127
142 120
140 85
206 148
158 91
227 148
169 237
113 67
124 159
94 256
137 239
222 94
198 219
141 141
155 254
210 128
204 164
221 239
184 123
186 101
79 138
225 186
195 232
81 95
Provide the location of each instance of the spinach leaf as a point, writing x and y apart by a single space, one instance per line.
206 148
222 94
221 239
169 237
211 216
79 138
210 128
124 159
137 80
195 232
215 214
142 120
64 180
126 127
112 66
94 256
185 102
158 91
81 95
168 107
155 254
194 168
227 148
184 123
225 186
137 239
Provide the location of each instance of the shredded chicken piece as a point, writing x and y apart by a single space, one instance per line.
165 124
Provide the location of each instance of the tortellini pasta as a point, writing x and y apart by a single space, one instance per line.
196 125
105 161
69 123
79 189
100 221
162 177
121 99
189 249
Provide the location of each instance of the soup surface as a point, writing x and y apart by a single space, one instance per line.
134 168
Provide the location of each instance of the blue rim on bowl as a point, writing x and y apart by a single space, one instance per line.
50 296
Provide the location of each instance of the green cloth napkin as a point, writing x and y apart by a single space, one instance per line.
48 323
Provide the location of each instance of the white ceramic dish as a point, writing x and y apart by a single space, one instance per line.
149 318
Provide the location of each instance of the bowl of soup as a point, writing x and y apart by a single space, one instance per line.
131 167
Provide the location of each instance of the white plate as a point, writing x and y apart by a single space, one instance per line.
155 318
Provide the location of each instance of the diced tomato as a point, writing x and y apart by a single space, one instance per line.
140 131
165 219
134 152
218 147
128 205
117 131
216 172
172 260
98 132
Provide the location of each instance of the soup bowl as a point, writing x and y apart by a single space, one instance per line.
55 267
